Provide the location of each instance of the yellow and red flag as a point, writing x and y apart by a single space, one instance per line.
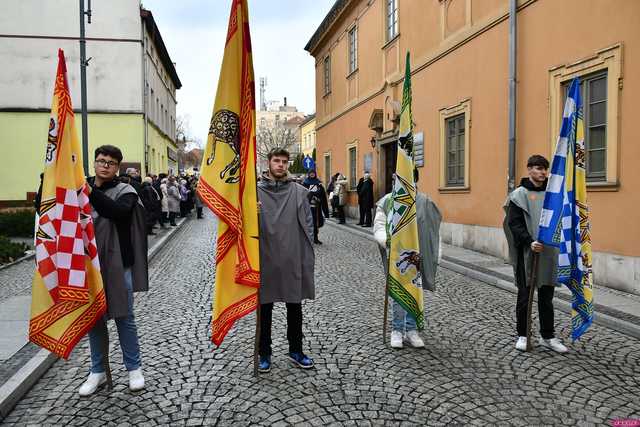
228 179
67 295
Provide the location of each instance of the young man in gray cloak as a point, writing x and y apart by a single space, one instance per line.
523 208
286 256
121 235
403 326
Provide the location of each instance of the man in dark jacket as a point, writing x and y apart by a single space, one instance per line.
523 209
365 199
119 224
151 201
318 203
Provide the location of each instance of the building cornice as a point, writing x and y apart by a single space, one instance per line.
326 25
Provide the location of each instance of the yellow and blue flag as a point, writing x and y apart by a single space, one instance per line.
564 222
404 280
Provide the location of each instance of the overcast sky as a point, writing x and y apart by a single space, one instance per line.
194 32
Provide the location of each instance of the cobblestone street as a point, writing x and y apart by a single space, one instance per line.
469 372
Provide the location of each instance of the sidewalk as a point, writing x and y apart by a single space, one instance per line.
614 309
22 363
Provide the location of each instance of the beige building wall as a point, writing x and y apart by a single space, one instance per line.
459 61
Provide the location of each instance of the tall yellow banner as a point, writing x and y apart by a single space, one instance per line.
404 280
228 179
67 292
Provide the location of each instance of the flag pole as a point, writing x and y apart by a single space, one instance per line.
105 354
532 279
386 312
256 344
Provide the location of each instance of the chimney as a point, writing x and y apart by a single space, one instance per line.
285 101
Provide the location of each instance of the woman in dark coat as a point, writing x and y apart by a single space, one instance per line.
365 200
318 202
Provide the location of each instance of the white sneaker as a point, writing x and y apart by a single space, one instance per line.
92 384
136 380
414 339
396 339
521 344
555 345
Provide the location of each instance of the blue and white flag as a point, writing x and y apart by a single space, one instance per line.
564 222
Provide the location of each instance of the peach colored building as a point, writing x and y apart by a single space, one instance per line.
460 59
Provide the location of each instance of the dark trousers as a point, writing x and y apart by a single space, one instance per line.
365 216
341 217
199 212
545 311
184 210
164 217
294 328
172 218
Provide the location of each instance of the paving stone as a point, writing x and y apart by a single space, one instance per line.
468 374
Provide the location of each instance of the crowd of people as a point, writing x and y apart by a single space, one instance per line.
165 197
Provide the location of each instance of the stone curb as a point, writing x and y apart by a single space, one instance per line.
19 260
603 319
22 381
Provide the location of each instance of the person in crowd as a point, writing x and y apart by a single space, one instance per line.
428 215
157 184
132 177
184 198
164 202
365 199
173 199
151 201
286 257
120 230
523 209
317 201
330 190
340 197
198 202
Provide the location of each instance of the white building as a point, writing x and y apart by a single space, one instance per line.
131 85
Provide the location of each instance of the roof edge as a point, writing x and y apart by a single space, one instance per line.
334 13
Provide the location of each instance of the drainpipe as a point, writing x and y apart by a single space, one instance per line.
145 95
511 184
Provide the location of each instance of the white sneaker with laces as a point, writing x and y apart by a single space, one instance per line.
92 384
396 339
414 339
521 344
554 344
136 380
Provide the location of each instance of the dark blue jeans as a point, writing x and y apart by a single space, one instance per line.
127 333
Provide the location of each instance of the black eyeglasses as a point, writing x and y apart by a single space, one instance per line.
106 163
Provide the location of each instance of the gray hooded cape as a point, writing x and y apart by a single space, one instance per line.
531 205
111 267
286 250
428 217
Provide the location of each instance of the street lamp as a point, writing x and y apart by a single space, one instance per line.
373 142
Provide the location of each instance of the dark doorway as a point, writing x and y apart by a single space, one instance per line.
390 154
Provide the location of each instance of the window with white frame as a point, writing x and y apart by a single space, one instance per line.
392 19
353 49
593 90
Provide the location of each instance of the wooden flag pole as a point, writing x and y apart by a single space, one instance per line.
532 287
105 355
256 346
386 311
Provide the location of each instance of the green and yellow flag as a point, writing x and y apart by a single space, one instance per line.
67 296
228 179
404 280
